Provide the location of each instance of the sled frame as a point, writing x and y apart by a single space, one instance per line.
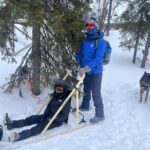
63 104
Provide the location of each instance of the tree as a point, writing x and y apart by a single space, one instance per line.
105 10
36 60
7 36
102 12
32 12
58 26
109 18
146 51
134 25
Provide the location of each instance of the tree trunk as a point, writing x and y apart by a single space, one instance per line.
99 12
147 46
109 18
136 47
36 60
137 39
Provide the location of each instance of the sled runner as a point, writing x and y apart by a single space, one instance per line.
67 130
39 138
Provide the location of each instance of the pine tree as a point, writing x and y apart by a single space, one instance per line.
105 11
109 17
57 26
146 51
102 12
135 25
7 36
32 11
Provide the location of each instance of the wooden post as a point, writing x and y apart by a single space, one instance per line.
68 73
61 107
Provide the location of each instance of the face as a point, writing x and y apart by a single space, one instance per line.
90 25
59 89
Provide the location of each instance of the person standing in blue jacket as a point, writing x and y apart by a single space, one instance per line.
90 58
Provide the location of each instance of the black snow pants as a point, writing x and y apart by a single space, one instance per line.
92 84
37 129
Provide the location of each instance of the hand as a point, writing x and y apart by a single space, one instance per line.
82 71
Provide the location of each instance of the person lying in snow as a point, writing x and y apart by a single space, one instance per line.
61 92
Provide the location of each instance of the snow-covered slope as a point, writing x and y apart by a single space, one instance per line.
127 122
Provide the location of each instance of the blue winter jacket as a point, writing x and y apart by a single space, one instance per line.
88 55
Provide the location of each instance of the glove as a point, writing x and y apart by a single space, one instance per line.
84 70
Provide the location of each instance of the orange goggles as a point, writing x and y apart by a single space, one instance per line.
59 89
90 25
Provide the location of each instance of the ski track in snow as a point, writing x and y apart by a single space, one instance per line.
127 122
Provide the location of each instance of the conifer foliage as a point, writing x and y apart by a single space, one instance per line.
135 25
58 25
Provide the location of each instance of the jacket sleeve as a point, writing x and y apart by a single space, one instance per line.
79 55
99 55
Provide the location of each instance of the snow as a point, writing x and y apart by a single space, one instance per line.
126 124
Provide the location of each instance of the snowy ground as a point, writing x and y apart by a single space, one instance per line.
127 122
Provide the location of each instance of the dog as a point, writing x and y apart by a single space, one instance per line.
144 86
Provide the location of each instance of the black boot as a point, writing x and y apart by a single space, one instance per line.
8 122
96 119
